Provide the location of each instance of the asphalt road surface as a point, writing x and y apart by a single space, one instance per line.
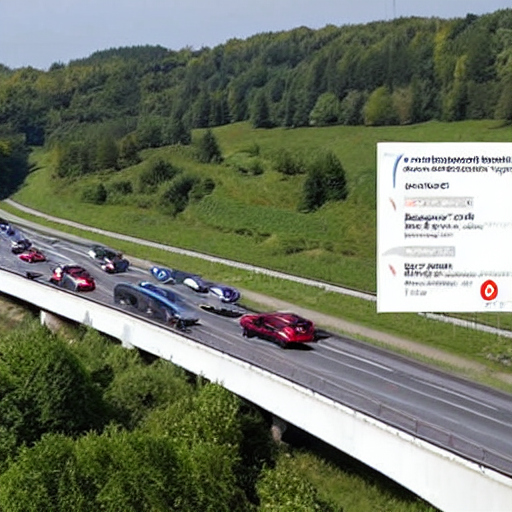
466 418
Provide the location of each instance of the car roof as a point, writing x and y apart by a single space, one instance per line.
75 269
287 318
164 292
178 302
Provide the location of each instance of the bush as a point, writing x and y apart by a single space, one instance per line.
175 198
289 164
326 181
95 194
314 193
158 173
284 489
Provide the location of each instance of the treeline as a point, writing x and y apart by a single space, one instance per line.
99 112
90 426
402 71
14 165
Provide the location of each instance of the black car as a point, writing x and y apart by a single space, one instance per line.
156 303
109 260
21 245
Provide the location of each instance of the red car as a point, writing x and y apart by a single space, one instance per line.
72 277
281 328
32 255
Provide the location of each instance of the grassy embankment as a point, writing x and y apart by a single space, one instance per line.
255 219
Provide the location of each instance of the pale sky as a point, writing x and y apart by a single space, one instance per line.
38 33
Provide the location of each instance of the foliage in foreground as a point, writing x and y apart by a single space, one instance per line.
162 441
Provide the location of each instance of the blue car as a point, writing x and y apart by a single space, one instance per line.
171 275
156 302
222 292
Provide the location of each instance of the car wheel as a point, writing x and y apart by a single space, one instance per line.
282 343
247 333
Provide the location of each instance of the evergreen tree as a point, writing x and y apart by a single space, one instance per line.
260 115
314 193
107 153
208 150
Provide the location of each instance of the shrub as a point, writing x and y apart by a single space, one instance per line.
326 181
289 164
96 194
175 198
284 489
158 172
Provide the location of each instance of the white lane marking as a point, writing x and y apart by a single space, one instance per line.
421 381
347 354
422 393
460 395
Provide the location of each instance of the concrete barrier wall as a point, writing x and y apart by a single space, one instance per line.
447 481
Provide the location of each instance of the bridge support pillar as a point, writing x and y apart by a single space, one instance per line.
54 322
278 428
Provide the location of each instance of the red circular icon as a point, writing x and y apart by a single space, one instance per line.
489 290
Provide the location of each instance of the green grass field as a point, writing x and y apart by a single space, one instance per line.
254 219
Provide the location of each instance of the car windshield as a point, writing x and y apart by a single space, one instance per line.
168 294
77 272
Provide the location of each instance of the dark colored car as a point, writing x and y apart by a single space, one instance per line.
281 328
21 245
73 277
32 255
109 260
159 303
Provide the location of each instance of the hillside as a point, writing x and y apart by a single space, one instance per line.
253 217
403 71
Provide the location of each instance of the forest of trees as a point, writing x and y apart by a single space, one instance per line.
98 112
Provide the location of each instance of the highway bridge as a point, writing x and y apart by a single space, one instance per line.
446 439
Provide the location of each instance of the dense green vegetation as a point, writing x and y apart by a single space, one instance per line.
98 112
88 425
262 151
